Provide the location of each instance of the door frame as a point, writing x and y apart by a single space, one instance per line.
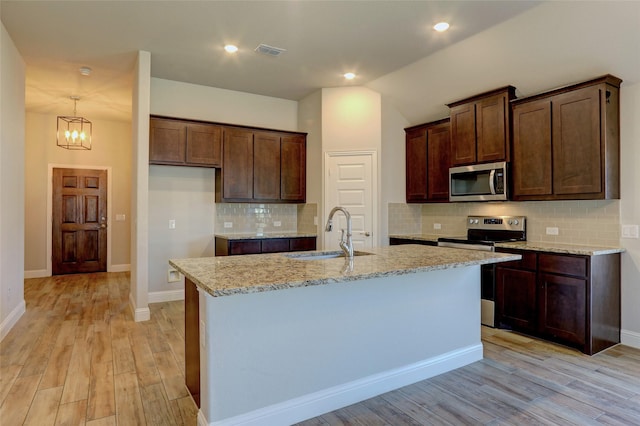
374 190
50 210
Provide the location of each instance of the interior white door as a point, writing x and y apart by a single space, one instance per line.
350 183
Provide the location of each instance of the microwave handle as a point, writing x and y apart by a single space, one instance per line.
492 180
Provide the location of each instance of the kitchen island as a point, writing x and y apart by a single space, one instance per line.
283 338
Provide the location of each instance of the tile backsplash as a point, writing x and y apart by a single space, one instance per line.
258 218
579 222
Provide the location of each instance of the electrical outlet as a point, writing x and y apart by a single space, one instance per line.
629 231
203 343
552 230
277 223
437 226
172 224
228 224
315 220
173 276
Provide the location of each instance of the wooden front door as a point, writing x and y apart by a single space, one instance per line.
79 221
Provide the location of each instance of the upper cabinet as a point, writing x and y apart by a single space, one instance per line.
184 143
262 165
566 143
480 127
427 162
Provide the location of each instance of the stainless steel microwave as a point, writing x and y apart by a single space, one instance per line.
478 182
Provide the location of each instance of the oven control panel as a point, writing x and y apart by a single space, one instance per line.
505 223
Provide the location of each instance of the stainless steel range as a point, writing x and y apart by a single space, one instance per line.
482 234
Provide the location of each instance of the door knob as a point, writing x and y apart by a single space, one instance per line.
103 225
366 233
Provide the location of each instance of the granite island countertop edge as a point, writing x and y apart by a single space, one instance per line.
233 275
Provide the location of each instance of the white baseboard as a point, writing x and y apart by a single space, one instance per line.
139 314
37 273
125 267
166 296
630 338
12 319
326 400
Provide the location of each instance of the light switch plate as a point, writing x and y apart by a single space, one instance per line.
277 223
172 224
630 231
228 224
437 226
552 230
120 217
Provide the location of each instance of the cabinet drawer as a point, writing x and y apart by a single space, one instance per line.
275 245
244 247
527 262
563 264
302 244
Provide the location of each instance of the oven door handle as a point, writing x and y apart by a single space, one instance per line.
492 181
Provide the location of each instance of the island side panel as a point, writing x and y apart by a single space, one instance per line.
336 344
191 339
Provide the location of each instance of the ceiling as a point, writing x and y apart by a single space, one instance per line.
323 40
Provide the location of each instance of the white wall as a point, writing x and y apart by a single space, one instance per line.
12 171
630 211
393 184
138 296
187 194
553 44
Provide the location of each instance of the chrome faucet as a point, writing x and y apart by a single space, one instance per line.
347 247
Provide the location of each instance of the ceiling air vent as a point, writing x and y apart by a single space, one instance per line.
265 49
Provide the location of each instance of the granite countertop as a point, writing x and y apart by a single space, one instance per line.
230 275
528 245
561 248
253 236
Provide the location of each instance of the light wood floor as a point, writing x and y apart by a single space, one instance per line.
76 357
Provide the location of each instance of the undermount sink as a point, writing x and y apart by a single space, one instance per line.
320 255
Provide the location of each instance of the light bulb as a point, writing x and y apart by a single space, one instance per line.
441 26
67 134
74 135
82 136
349 76
230 48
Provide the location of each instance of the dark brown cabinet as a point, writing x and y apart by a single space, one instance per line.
226 247
184 143
427 162
480 127
569 299
566 143
261 165
516 295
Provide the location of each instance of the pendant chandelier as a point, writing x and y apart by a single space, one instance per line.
74 132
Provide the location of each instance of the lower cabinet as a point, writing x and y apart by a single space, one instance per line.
399 241
226 247
569 299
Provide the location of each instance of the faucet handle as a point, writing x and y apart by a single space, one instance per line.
342 234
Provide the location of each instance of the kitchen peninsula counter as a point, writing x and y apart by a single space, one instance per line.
254 236
274 340
225 276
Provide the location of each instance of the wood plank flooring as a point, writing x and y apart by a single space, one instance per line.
77 358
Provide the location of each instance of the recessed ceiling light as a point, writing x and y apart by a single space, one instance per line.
441 26
349 76
85 70
230 48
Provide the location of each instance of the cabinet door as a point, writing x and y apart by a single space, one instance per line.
438 140
237 157
463 134
167 141
293 168
302 244
577 151
531 166
516 298
266 166
416 165
204 143
562 308
492 129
